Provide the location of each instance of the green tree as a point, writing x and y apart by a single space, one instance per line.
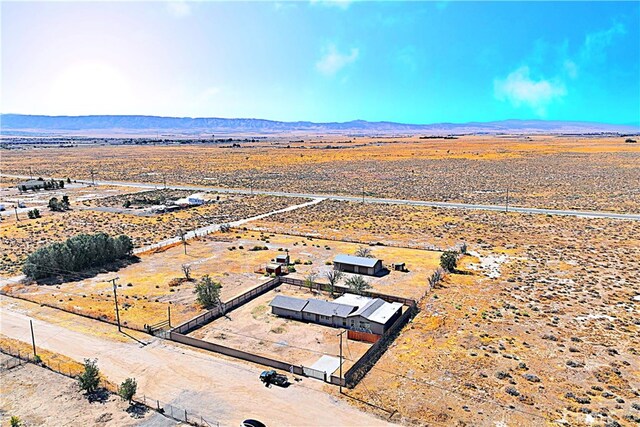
208 292
61 184
128 389
54 204
357 284
334 277
89 379
68 180
15 421
449 260
65 202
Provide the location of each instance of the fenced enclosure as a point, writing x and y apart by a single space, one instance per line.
351 376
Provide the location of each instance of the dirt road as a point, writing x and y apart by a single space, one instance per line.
219 389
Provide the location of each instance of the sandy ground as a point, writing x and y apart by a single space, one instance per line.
54 399
252 327
217 388
145 292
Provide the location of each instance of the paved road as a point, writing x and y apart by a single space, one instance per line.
448 205
219 389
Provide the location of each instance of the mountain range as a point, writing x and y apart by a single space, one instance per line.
34 125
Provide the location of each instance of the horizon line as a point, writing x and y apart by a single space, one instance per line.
321 122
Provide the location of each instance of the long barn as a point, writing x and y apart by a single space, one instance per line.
357 265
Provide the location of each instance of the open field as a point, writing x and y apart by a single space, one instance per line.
148 287
545 318
19 239
598 173
253 328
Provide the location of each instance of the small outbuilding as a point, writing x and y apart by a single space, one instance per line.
283 259
273 268
357 265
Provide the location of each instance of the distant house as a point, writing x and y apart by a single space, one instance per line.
192 200
354 312
282 259
196 199
32 184
358 265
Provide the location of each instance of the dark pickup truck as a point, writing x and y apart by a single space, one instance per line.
272 377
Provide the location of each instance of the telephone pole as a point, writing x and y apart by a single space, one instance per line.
506 207
93 180
16 209
363 194
33 340
340 335
115 297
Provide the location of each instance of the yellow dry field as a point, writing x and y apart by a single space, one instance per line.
598 173
145 288
541 324
56 361
19 239
253 328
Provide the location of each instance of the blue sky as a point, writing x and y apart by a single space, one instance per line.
413 62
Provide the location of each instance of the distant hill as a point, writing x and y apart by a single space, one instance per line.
86 125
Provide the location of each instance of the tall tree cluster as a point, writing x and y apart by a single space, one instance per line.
76 254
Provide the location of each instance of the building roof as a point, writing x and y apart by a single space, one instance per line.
289 303
327 308
352 299
356 260
369 308
32 182
282 256
384 312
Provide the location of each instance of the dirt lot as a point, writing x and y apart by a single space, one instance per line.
19 239
54 399
596 173
145 288
542 326
218 388
253 328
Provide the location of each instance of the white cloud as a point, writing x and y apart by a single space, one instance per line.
333 61
179 8
571 68
595 44
520 89
340 4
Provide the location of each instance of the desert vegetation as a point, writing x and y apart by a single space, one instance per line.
537 322
540 171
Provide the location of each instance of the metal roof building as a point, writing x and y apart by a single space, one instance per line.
358 265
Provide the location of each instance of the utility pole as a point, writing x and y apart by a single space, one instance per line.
363 194
30 172
15 207
506 208
164 178
33 340
340 335
115 297
93 180
169 314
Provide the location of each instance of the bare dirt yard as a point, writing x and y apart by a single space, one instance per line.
253 328
540 325
146 289
592 173
55 399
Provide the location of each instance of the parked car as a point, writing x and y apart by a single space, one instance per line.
272 377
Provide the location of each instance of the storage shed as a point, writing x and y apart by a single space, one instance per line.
357 265
282 259
273 268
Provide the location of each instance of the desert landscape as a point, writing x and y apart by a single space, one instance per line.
320 213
